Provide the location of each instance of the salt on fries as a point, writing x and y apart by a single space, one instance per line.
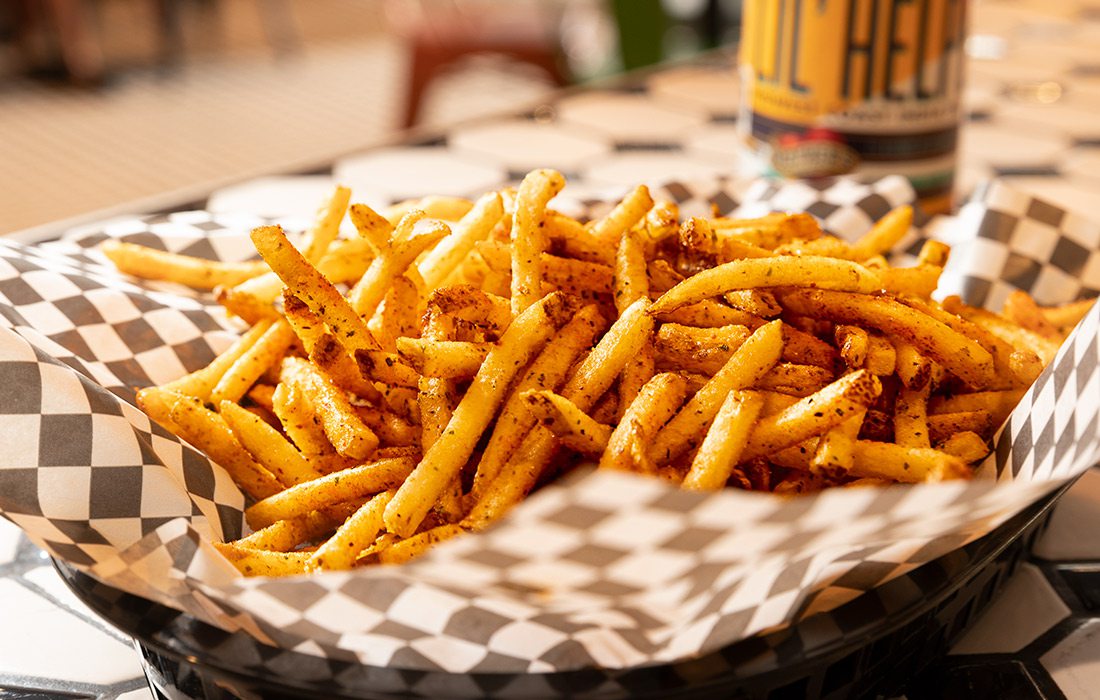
417 379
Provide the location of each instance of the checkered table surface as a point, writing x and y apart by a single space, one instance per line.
1033 88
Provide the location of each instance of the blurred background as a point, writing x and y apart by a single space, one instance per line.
110 102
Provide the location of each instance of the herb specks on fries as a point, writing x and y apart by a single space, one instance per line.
420 379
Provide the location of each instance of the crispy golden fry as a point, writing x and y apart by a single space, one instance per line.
327 226
267 445
569 238
967 446
342 425
439 264
619 220
754 301
466 303
329 490
397 317
813 415
1066 316
756 356
1017 336
835 453
311 287
527 334
547 371
658 401
392 262
913 369
408 549
267 351
528 237
919 281
584 279
592 378
768 231
356 534
854 343
208 432
911 418
685 348
286 535
999 404
883 460
331 359
435 206
934 253
786 271
721 449
153 264
957 353
258 562
882 358
885 234
1022 309
450 359
799 380
631 284
942 425
571 425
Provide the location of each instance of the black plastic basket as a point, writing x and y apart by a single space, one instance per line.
872 645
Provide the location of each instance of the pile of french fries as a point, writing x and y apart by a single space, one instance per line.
418 380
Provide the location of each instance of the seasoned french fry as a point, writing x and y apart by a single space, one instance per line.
572 426
342 425
391 263
529 239
258 562
754 301
785 271
332 489
721 449
813 415
854 343
957 353
914 369
311 287
327 226
208 432
882 460
967 446
450 359
999 404
1021 308
1066 316
943 425
524 337
620 219
415 546
885 234
768 231
267 445
911 418
756 356
835 453
438 265
397 317
201 382
250 366
356 534
152 264
655 404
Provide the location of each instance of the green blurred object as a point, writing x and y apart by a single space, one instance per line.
642 25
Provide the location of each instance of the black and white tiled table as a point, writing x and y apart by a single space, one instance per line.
1033 90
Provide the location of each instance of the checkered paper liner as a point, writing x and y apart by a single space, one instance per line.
603 570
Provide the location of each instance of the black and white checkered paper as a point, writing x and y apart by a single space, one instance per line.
604 570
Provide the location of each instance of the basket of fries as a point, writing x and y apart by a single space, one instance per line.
485 436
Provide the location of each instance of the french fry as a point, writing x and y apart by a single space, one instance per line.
569 238
397 317
1022 309
914 369
813 415
528 237
356 534
881 460
786 271
998 404
547 371
657 401
201 383
341 424
957 353
756 356
327 225
311 287
258 562
572 426
152 264
911 418
208 432
439 264
415 546
1017 336
942 425
754 301
1066 316
449 359
392 262
250 366
329 490
626 213
267 445
524 337
835 453
721 448
967 446
768 231
885 234
854 343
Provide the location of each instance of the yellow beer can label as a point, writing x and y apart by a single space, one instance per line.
835 85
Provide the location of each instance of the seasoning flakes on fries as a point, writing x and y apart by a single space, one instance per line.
417 380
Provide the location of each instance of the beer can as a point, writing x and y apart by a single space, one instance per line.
870 87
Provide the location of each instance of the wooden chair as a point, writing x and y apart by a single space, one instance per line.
440 33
